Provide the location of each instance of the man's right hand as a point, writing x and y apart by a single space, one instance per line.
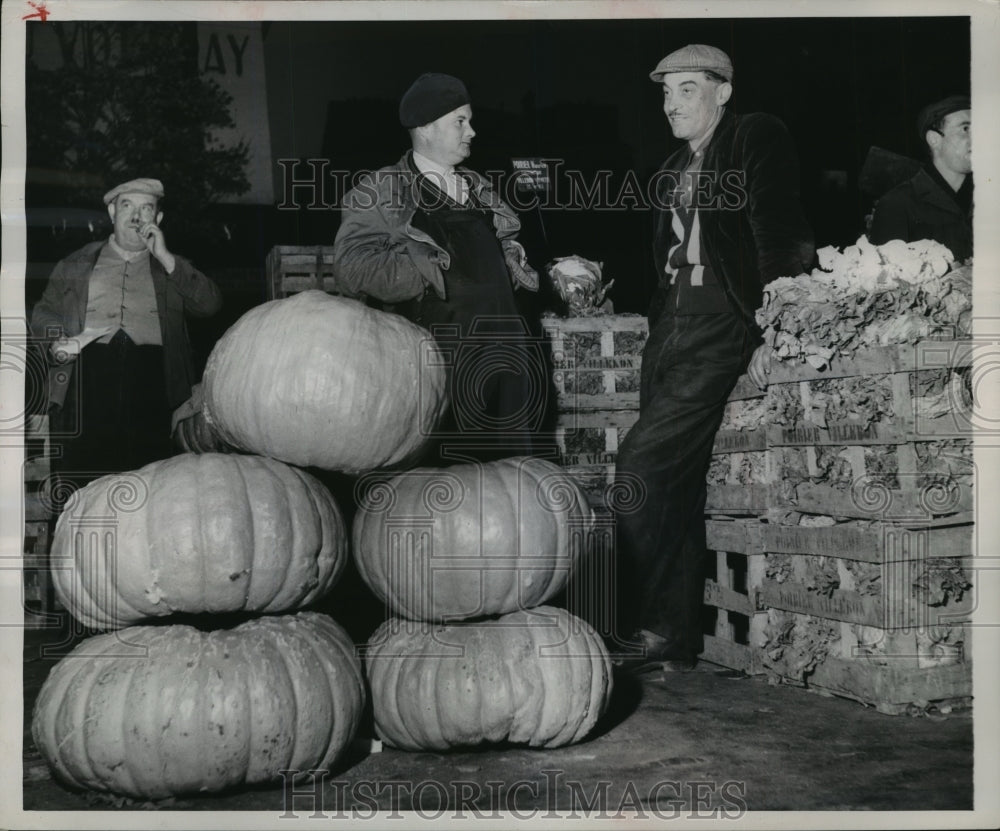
760 366
66 349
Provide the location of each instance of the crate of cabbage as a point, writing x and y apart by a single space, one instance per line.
873 611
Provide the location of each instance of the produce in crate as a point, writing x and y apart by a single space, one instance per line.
197 533
540 677
471 540
155 711
319 380
867 296
578 282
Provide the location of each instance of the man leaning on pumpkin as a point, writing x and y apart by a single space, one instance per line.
433 240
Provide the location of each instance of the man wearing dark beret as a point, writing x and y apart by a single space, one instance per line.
433 241
728 221
112 320
937 202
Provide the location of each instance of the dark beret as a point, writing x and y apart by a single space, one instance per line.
933 113
431 96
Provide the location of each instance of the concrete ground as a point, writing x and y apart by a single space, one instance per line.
705 743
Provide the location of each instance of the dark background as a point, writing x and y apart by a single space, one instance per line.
572 90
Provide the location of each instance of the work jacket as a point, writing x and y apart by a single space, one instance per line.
380 254
62 312
920 209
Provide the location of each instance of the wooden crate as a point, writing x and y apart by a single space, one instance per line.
596 361
892 686
741 476
596 377
867 573
845 616
38 597
294 268
37 593
37 473
735 567
912 392
914 480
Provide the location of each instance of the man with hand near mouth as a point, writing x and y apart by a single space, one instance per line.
728 222
434 241
112 318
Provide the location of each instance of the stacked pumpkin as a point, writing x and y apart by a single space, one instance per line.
471 552
465 557
152 711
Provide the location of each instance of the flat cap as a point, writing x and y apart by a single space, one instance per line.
151 186
431 96
933 113
695 57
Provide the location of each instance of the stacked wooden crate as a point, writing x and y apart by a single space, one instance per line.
38 600
868 539
838 533
596 364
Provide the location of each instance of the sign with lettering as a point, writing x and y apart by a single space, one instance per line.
532 175
840 605
232 55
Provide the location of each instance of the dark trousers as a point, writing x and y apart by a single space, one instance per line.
690 365
116 417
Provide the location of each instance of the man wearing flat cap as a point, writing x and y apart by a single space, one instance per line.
937 202
112 321
433 241
728 222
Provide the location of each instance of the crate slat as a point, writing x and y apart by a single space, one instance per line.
880 360
879 543
890 689
721 597
291 269
731 655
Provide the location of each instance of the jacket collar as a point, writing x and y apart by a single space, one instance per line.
929 190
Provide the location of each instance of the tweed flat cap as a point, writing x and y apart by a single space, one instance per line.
695 57
932 113
431 96
151 186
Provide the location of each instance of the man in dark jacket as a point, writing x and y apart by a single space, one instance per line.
937 202
433 238
112 322
729 222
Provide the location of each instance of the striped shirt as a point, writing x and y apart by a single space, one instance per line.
693 283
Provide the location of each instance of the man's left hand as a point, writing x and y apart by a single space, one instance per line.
760 366
152 235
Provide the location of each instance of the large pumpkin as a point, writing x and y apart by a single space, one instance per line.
196 533
541 677
154 711
470 540
318 380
